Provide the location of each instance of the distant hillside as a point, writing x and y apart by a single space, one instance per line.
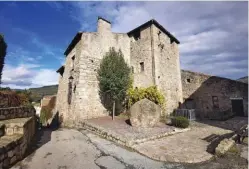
243 79
38 93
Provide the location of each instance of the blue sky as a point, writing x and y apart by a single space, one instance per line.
213 35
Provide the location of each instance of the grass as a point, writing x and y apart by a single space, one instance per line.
245 140
234 150
124 115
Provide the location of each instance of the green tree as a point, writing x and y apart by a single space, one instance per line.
114 79
3 48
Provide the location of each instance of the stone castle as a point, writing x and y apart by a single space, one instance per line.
151 52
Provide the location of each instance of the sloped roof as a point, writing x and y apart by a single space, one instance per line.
77 37
153 21
75 40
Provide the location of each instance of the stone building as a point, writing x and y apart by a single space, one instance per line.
150 50
213 96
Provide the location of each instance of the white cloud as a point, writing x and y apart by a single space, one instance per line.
215 32
28 76
45 77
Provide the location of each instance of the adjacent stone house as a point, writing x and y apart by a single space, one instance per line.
213 96
151 52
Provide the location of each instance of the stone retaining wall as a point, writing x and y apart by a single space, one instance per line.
18 126
13 147
107 134
11 151
16 112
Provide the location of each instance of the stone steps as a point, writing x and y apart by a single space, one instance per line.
13 126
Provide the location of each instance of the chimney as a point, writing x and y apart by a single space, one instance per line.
104 26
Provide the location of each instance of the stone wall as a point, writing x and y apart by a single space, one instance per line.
141 53
14 144
167 69
18 127
153 58
16 112
201 88
161 64
88 52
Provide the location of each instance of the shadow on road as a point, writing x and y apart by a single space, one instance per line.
42 136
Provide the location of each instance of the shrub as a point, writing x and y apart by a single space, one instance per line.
47 111
12 98
151 93
180 121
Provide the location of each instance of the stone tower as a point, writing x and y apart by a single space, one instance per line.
155 61
150 50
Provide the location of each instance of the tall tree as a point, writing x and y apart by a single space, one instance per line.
3 48
114 77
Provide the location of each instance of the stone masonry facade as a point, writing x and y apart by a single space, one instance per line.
151 52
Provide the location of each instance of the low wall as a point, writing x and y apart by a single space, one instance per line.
16 112
20 126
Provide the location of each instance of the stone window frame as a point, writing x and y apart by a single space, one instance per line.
70 90
141 67
215 101
72 63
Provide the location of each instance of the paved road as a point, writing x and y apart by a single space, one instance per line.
72 149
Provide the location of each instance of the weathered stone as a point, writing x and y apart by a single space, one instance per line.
224 146
2 117
154 58
145 113
6 162
199 89
13 160
11 153
1 157
9 131
13 147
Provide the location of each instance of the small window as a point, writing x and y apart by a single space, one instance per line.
137 35
141 66
188 80
72 64
74 89
69 96
215 102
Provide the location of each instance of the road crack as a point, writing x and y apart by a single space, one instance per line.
102 153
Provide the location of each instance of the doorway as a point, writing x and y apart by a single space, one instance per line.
237 107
